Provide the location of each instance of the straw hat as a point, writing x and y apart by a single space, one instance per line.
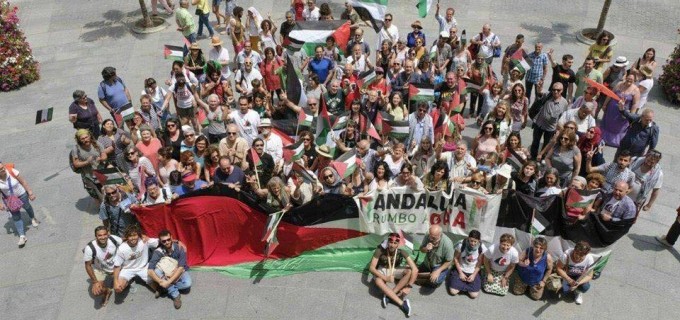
416 24
215 41
324 150
195 46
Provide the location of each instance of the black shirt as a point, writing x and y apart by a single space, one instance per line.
563 76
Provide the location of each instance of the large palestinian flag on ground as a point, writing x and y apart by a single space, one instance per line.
306 35
223 229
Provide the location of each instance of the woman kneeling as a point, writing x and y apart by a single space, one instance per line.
533 269
499 263
468 261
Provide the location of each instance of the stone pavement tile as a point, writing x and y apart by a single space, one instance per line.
25 297
271 302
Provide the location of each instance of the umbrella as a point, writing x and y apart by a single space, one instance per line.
602 88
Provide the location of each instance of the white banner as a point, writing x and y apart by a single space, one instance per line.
458 212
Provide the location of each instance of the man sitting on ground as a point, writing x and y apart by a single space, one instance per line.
168 268
439 255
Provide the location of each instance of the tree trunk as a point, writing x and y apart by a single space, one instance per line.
603 16
147 18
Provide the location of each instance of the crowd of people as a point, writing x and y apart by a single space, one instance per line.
223 130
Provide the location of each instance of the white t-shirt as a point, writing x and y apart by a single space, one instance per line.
360 65
273 146
246 79
576 269
312 15
468 262
136 258
185 97
134 172
104 257
160 198
222 57
16 186
385 34
247 124
501 261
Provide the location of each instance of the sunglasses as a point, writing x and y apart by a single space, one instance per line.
131 153
171 125
557 90
311 104
488 128
166 240
111 193
564 139
475 182
232 133
307 139
328 176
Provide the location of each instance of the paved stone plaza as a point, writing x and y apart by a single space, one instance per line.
75 39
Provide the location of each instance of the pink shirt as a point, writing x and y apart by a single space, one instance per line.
150 151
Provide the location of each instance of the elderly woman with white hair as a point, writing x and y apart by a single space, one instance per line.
582 116
216 130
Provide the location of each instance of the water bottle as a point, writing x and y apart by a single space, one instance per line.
463 38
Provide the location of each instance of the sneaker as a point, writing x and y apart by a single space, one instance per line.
22 241
177 302
662 240
35 223
133 288
406 307
383 301
579 298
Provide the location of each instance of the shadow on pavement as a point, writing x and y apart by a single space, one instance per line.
258 272
548 34
88 205
116 24
644 242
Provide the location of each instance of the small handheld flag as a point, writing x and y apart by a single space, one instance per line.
44 115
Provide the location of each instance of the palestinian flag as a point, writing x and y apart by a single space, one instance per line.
109 176
294 89
471 86
538 224
323 124
256 158
175 53
517 60
397 129
272 222
294 151
424 7
372 132
44 115
305 118
380 118
341 121
420 92
286 139
366 78
371 9
306 35
202 117
346 164
303 173
581 198
125 113
271 246
223 230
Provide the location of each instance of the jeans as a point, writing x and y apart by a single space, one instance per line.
191 38
583 288
536 142
16 216
529 87
673 232
203 20
184 282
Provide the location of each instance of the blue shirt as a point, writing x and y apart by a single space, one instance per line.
113 94
182 190
537 63
411 38
321 67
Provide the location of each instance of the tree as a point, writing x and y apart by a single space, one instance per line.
603 16
147 18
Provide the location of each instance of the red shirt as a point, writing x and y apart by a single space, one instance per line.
271 80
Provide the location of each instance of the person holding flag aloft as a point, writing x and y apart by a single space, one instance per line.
386 268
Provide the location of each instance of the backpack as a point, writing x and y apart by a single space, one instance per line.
537 105
94 252
70 161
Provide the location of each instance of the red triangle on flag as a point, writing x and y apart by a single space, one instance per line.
100 177
340 167
341 36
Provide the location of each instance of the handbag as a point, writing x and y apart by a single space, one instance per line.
12 202
167 265
198 12
554 282
497 52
